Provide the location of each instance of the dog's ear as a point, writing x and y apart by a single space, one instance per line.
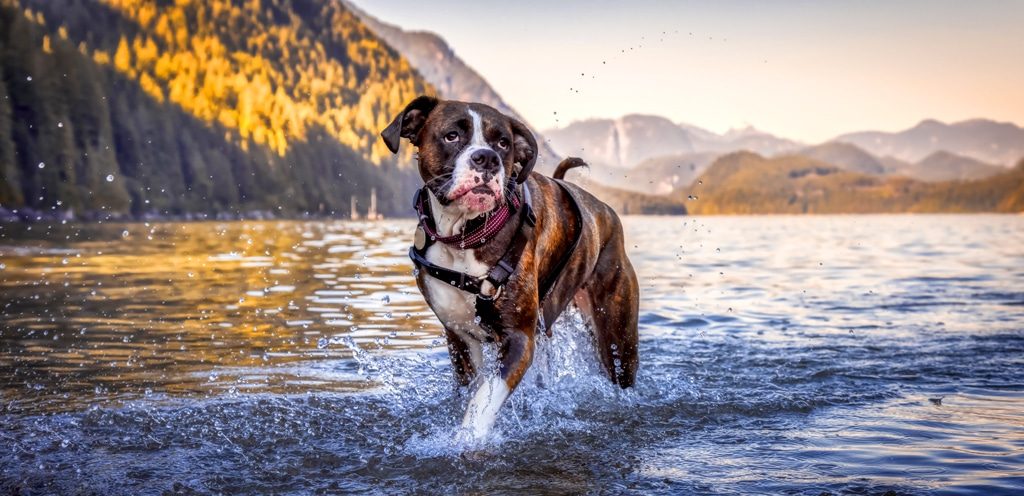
525 150
407 123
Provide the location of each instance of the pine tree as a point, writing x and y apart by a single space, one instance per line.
10 179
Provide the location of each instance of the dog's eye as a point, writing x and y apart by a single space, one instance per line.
503 143
451 137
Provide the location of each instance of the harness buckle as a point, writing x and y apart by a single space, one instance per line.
490 298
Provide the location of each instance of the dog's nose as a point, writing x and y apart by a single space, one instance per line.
485 160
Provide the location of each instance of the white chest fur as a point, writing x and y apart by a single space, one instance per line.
456 309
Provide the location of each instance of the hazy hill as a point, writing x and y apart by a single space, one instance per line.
166 108
632 139
628 201
743 139
845 156
939 166
664 174
999 143
655 176
433 58
945 166
742 183
622 142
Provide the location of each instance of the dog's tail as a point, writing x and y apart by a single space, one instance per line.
566 165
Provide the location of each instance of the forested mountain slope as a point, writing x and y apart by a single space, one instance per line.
148 107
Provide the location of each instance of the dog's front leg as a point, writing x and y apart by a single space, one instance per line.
515 352
466 356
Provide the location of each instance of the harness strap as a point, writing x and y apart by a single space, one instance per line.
501 272
458 279
497 275
486 310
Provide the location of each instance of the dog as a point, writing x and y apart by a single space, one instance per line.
501 251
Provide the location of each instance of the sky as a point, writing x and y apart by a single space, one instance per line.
806 70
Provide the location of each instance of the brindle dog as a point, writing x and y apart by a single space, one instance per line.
467 154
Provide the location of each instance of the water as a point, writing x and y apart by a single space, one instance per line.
780 355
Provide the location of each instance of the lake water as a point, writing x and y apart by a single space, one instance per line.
779 355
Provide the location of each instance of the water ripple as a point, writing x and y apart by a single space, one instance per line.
780 355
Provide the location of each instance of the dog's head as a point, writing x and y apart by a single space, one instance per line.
467 151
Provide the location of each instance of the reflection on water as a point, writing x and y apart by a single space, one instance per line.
779 355
102 312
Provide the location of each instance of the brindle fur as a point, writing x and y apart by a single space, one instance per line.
598 277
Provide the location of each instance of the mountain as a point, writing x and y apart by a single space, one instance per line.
631 202
946 166
437 62
746 183
658 175
1000 143
155 108
742 139
622 142
632 139
937 167
654 176
845 156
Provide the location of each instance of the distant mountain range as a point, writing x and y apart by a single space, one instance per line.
655 155
747 183
945 166
627 141
150 108
999 143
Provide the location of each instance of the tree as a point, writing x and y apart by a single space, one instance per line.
10 179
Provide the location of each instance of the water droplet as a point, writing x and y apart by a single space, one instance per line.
41 165
110 178
321 343
28 78
60 124
124 234
386 299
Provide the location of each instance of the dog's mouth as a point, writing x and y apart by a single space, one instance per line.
483 189
480 189
476 197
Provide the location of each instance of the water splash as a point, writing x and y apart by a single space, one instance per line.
564 378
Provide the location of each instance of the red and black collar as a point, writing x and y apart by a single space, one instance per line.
475 236
477 231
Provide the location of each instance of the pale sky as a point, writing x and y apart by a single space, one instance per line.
806 70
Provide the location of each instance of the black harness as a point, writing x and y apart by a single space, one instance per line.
498 275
